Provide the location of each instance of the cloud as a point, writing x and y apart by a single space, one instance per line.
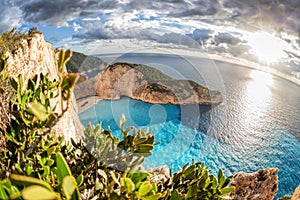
201 35
245 14
214 25
10 16
58 12
198 8
226 37
264 14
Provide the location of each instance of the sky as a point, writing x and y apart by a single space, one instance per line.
264 31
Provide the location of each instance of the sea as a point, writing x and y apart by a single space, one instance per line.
257 126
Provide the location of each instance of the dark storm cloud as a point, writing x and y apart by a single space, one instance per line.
58 12
157 19
198 8
226 37
247 14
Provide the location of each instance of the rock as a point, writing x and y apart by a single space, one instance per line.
147 84
160 175
85 89
296 195
34 56
260 185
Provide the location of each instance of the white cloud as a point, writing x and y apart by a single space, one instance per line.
10 16
91 19
76 26
214 25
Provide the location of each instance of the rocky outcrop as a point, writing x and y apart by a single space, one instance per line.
260 185
147 84
34 56
85 89
296 195
159 175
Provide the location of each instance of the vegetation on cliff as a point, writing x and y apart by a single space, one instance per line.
39 164
81 63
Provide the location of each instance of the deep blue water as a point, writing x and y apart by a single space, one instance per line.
257 125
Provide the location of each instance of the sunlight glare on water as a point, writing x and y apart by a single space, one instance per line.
255 106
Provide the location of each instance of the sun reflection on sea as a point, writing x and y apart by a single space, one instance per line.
256 105
259 88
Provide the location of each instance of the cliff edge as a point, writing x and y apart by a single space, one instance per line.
32 55
148 84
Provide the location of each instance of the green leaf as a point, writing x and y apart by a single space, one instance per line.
3 194
14 193
79 179
139 176
144 189
50 162
214 182
175 195
37 192
227 190
38 110
150 140
64 57
189 170
68 85
69 186
14 84
29 168
130 187
152 197
26 180
69 81
144 148
98 185
63 169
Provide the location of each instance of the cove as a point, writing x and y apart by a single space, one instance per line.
256 126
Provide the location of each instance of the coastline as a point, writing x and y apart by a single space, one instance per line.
84 103
88 101
224 58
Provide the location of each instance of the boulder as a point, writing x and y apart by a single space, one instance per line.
159 175
260 185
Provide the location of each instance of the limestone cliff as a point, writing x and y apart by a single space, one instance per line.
33 55
296 195
147 84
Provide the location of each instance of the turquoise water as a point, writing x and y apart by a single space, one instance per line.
180 144
257 125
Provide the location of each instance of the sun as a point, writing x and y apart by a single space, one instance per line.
266 47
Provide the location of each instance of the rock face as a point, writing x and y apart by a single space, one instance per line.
35 56
147 84
296 195
160 175
260 185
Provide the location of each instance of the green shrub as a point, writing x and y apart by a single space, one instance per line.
39 164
